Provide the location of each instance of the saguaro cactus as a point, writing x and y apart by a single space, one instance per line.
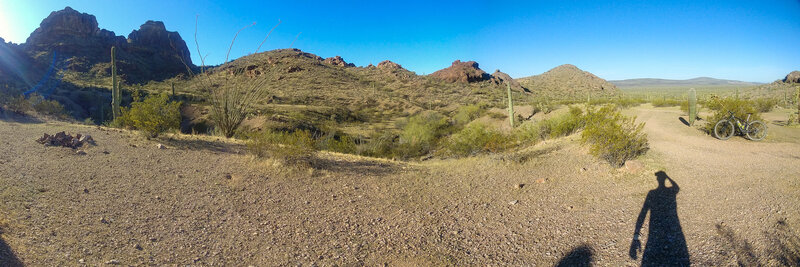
115 95
510 106
692 106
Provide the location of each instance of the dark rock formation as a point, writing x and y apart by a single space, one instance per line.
150 53
464 72
792 77
338 61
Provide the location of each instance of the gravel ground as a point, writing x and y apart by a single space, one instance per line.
203 202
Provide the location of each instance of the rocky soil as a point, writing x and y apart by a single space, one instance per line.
203 201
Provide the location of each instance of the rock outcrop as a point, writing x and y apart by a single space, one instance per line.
338 61
499 77
792 77
463 72
150 53
388 65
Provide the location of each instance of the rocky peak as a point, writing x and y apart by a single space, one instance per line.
464 72
388 65
499 77
338 61
153 36
792 77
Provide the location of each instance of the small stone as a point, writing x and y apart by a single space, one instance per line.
113 262
541 180
85 190
104 220
513 202
228 176
80 152
519 186
137 247
106 152
583 169
81 261
160 146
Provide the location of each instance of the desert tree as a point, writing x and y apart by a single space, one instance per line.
231 93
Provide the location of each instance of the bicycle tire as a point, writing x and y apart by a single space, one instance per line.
756 130
723 130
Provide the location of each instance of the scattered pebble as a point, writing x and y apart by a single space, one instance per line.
81 261
113 262
541 180
160 146
519 186
228 176
80 152
137 247
513 202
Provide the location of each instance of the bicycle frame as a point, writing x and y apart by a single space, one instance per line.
738 122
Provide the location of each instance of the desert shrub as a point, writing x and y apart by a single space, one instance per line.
379 145
421 133
721 107
294 148
47 107
627 102
764 104
612 136
153 116
19 104
476 138
468 113
665 102
528 133
562 125
337 142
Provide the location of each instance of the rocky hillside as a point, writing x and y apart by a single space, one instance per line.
149 53
779 89
463 72
792 77
567 80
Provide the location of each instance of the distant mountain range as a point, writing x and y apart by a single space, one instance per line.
700 81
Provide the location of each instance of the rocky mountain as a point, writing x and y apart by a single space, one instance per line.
792 77
700 81
149 53
567 80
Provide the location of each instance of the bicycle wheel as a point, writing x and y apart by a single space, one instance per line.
756 130
723 130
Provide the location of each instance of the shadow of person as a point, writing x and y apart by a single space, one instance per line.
7 256
666 244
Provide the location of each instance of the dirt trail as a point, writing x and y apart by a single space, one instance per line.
733 184
204 202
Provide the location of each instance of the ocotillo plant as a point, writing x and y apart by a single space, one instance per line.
692 106
510 106
115 95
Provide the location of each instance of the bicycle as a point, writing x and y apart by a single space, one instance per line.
727 127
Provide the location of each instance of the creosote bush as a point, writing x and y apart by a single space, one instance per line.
721 107
421 133
612 136
153 116
292 148
476 138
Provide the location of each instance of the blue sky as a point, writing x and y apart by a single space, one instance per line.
741 40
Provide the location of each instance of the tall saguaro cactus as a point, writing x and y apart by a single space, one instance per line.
692 106
510 106
115 95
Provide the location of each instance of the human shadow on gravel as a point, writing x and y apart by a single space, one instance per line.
666 244
7 256
579 256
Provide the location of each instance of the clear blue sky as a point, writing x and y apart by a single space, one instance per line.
741 40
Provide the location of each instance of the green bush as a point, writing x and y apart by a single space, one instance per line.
19 104
294 148
336 142
476 138
562 125
612 136
421 134
47 107
721 107
528 133
764 104
468 113
497 116
153 116
380 145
